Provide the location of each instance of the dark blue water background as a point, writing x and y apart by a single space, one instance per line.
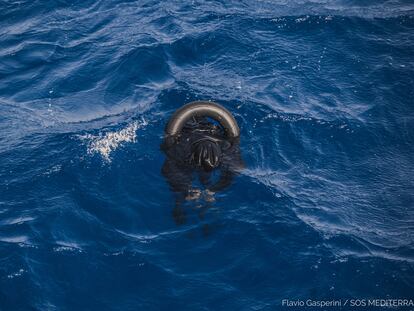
324 95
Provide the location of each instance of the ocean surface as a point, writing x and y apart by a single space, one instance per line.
323 92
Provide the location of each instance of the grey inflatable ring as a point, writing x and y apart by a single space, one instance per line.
202 109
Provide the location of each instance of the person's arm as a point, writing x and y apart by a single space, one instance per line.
179 178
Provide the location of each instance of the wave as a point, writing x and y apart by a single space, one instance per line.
322 91
105 143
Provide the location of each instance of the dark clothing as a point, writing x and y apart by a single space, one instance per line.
178 169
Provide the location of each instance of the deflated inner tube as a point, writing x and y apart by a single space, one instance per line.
202 109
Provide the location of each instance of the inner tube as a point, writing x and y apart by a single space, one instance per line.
202 109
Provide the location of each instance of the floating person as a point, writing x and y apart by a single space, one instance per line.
201 140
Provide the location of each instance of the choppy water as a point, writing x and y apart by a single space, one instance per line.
324 94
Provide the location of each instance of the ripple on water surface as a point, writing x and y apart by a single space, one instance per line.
322 92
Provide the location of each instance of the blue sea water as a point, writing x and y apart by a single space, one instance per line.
323 91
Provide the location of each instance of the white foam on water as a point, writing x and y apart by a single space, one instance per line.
67 247
16 274
105 143
53 169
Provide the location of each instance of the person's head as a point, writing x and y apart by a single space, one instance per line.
206 154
